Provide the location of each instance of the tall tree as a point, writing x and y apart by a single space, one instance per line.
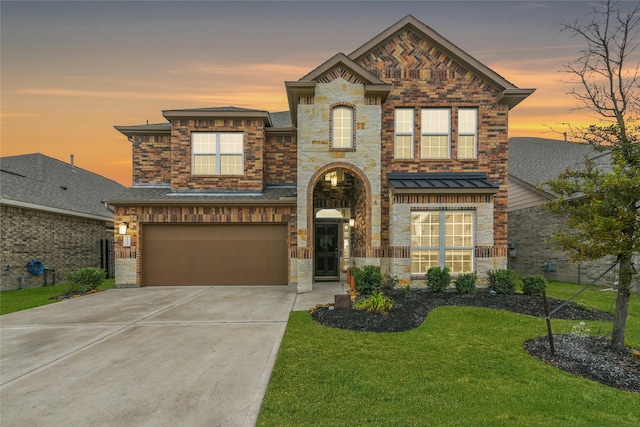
602 201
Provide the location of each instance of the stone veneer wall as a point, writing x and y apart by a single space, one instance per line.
400 233
59 241
530 230
421 77
315 155
128 260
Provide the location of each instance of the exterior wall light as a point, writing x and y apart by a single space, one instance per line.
123 228
352 222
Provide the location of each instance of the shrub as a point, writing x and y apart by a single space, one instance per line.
466 283
438 279
534 285
367 279
377 302
85 279
389 282
503 281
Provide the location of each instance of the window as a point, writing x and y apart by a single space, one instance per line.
436 133
404 133
442 238
467 132
342 127
219 153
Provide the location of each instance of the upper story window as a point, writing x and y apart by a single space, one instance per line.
342 132
436 133
467 133
403 146
217 153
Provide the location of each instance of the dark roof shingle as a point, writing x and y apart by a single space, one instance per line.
42 181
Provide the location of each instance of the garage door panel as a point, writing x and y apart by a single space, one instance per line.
197 254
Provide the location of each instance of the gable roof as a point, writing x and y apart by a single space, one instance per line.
534 161
511 95
36 181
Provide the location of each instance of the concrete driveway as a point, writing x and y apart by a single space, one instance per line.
164 356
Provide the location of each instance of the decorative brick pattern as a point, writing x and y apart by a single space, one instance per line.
422 76
339 72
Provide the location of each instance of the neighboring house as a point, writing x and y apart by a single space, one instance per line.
394 155
54 217
532 162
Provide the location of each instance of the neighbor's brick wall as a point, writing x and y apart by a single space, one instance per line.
59 241
530 230
421 76
151 155
280 159
254 142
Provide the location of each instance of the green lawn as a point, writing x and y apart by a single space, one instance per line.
463 366
16 300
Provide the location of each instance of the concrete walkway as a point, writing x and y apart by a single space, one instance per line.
163 356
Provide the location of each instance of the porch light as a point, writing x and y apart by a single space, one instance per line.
123 228
334 179
352 222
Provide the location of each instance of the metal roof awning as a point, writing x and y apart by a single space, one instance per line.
454 182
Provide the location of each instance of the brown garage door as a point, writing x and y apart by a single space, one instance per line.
221 254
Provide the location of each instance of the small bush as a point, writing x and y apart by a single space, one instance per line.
377 302
466 283
503 281
438 278
389 282
534 285
85 279
367 279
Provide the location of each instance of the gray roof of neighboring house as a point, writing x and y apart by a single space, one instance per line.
273 194
535 161
40 182
450 181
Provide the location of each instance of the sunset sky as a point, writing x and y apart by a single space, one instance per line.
70 71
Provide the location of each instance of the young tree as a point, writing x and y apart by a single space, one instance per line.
602 199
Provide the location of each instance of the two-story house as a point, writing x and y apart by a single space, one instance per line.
394 155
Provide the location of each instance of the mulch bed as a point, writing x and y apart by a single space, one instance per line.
588 357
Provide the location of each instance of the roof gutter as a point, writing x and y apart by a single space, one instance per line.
26 205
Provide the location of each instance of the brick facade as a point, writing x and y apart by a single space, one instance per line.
150 159
61 242
406 66
531 230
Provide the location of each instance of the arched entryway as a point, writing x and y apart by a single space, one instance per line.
338 218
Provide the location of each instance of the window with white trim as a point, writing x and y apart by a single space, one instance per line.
436 133
442 238
403 146
217 153
342 132
467 133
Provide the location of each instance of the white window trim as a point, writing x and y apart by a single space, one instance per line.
442 248
397 134
474 134
333 126
423 133
218 154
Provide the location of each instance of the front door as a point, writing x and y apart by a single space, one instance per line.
327 251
